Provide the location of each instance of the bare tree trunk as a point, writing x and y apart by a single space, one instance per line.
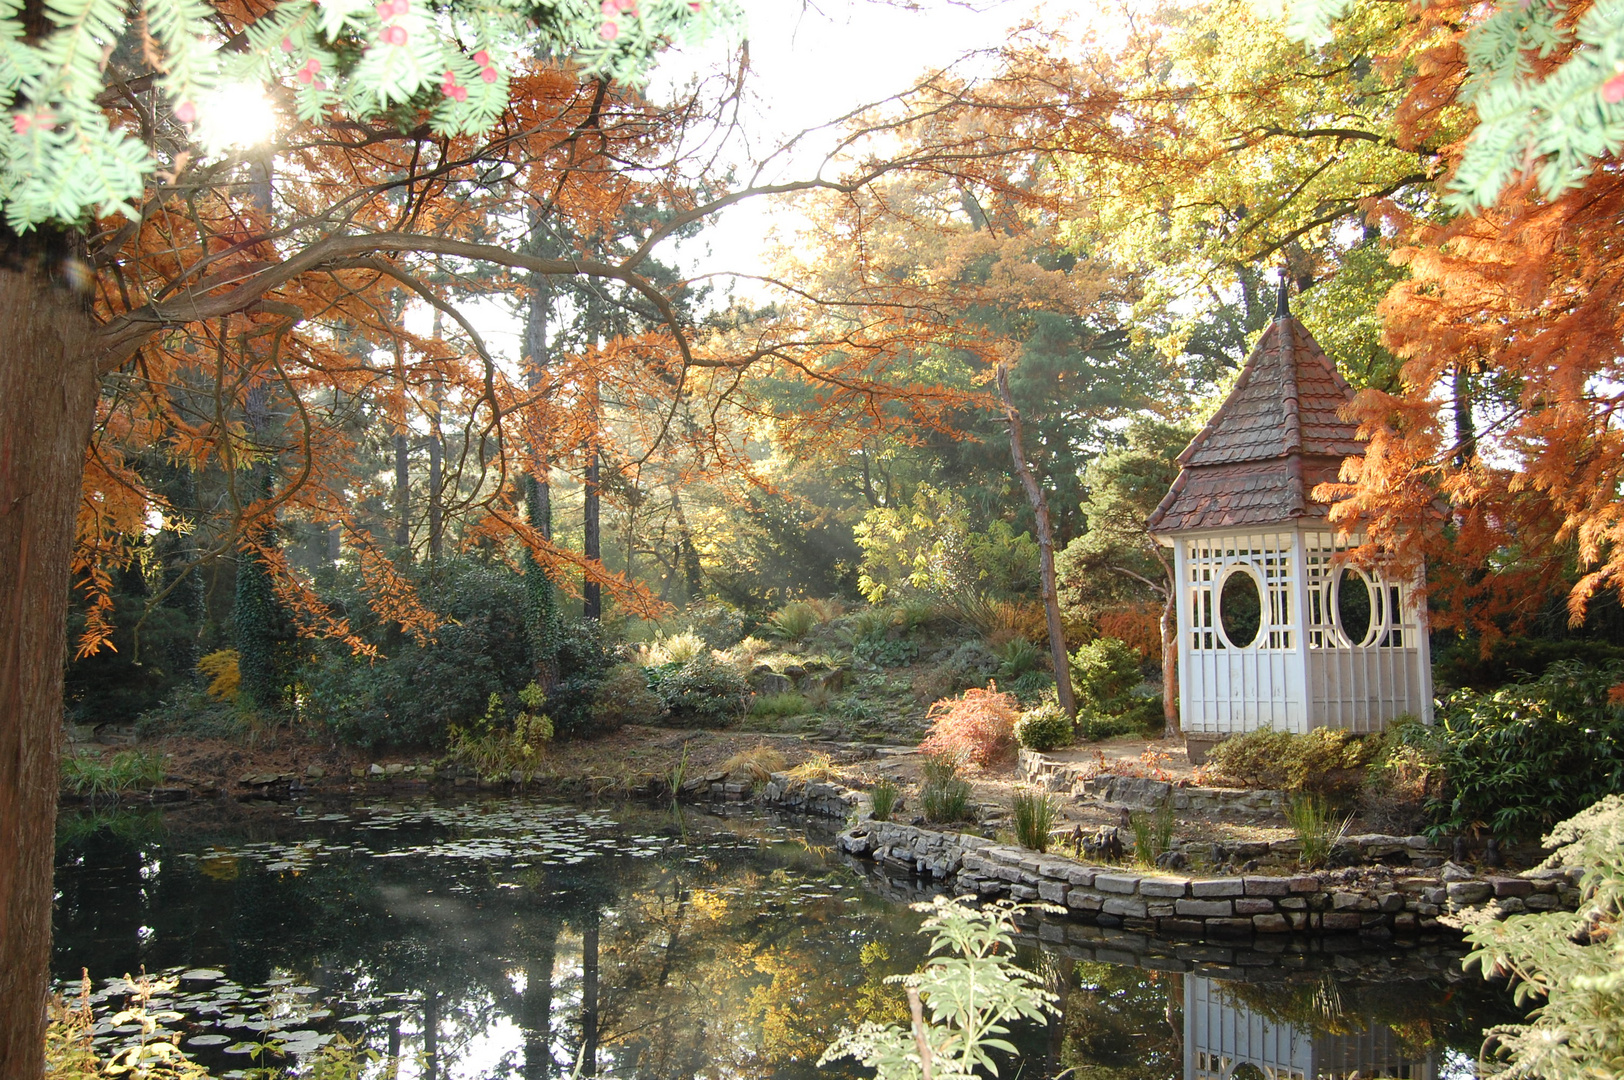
1170 665
589 995
592 540
688 554
436 459
47 404
1040 510
403 475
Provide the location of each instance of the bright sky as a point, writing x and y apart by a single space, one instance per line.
814 62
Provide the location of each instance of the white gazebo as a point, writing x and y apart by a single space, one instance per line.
1276 628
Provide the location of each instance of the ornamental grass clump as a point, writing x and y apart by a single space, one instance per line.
943 793
975 728
92 776
1035 815
1152 834
1317 827
884 797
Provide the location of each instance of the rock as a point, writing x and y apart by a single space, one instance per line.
375 769
795 671
1454 871
773 683
1271 924
1511 886
394 768
314 772
1465 893
1172 860
1218 887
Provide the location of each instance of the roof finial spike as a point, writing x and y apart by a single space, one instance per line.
1282 305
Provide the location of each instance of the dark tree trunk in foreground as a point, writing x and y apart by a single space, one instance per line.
1040 510
47 404
592 538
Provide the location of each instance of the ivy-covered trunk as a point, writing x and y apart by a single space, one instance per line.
47 405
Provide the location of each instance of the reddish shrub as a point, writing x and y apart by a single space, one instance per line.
977 727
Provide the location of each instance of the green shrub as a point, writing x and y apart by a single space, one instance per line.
1046 727
413 697
720 626
883 798
1530 754
584 656
1031 688
1035 815
701 693
1327 761
788 703
1104 675
623 697
971 664
793 621
885 651
192 713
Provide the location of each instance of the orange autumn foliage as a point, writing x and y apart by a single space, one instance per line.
976 728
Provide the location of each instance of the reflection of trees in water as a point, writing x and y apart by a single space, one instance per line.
713 958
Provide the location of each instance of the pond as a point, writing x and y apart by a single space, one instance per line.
513 938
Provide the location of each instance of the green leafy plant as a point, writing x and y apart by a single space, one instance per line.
1317 826
498 749
1105 674
1016 657
1035 814
1152 834
1570 963
961 1001
1045 727
93 776
1529 754
793 621
679 773
70 1053
883 798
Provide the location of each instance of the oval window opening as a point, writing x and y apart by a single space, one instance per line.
1247 1071
1353 605
1240 608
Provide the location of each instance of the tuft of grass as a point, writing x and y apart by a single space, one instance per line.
679 773
1314 822
944 795
788 703
758 763
128 770
1152 834
884 796
815 769
1035 815
677 649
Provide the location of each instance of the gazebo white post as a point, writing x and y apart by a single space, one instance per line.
1423 643
1185 630
1299 629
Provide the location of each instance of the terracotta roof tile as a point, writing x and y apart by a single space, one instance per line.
1275 437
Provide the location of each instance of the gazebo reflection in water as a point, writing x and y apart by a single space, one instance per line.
1225 1039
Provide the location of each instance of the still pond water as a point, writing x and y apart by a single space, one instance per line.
508 938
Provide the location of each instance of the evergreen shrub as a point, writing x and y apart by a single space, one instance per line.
1519 759
703 693
624 697
1044 727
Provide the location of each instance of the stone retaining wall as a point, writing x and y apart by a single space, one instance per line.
1140 793
1205 907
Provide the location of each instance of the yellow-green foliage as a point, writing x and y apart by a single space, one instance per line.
496 750
220 668
793 621
70 1054
1326 761
676 649
1569 963
788 703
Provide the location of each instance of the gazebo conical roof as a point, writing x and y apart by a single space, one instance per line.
1275 437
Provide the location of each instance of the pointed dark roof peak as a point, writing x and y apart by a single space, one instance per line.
1278 434
1282 302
